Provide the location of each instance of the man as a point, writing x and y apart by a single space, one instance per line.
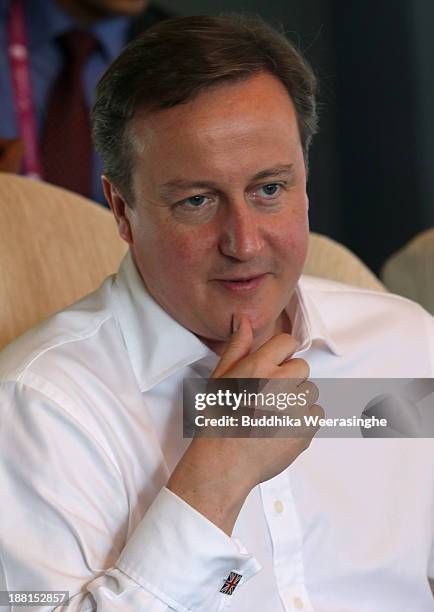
48 79
205 171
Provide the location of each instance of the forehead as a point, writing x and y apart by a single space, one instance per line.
240 123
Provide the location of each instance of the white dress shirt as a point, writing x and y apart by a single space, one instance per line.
91 428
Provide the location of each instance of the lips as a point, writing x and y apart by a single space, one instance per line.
242 277
238 285
240 280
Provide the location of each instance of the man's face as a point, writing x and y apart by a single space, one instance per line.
219 224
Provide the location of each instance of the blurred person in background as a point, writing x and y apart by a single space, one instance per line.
52 54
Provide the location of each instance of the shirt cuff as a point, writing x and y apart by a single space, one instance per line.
181 557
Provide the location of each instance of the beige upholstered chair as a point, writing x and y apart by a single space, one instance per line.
410 271
327 258
56 246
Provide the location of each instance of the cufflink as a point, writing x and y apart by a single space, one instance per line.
231 583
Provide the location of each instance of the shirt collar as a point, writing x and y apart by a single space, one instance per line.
308 326
112 35
48 20
159 346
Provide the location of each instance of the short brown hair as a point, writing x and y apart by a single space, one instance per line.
175 60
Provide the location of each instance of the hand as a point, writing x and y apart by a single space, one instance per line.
215 475
11 155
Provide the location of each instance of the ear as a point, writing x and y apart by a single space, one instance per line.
120 209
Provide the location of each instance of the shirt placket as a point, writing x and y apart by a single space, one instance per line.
286 536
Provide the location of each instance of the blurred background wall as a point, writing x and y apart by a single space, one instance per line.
371 183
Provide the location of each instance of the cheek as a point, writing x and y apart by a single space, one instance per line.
175 252
292 239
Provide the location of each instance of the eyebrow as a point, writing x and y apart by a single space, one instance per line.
180 184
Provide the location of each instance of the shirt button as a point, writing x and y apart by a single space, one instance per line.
298 603
278 506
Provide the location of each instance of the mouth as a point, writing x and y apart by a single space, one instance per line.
241 285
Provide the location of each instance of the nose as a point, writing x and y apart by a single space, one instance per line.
241 235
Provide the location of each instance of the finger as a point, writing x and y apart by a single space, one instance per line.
277 350
316 410
309 431
310 390
295 368
240 345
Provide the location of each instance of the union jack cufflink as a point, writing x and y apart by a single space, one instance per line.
231 583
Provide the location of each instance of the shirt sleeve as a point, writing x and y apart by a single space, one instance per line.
65 518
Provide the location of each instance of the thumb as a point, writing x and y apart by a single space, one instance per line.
239 346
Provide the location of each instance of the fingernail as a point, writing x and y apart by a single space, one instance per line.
235 323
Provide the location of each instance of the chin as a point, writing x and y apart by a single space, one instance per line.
264 321
264 330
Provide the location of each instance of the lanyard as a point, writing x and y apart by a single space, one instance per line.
20 69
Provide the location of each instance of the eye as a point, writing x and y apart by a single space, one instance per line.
196 201
269 190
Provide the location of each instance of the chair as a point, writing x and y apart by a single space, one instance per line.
326 258
55 246
410 271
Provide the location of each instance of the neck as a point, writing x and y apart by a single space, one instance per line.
82 12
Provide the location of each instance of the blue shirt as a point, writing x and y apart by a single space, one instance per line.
45 20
